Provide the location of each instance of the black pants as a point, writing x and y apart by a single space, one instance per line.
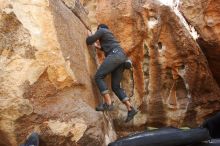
114 64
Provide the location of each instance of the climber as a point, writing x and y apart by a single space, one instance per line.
115 62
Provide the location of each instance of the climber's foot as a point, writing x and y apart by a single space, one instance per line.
131 114
104 107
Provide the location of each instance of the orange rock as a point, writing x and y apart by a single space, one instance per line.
168 64
205 17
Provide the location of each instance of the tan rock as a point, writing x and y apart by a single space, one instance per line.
76 127
205 17
79 11
46 76
90 6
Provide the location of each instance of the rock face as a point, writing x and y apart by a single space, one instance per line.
171 83
205 17
46 75
46 70
91 6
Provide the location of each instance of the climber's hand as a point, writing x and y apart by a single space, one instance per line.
89 33
97 45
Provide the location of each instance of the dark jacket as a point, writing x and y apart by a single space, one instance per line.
106 39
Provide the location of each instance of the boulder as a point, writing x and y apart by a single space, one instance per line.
171 82
205 17
46 76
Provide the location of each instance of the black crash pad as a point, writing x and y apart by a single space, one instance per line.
213 125
164 137
213 142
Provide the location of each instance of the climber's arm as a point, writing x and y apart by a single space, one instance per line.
93 38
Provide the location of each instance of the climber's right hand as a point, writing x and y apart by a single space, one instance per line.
89 33
97 45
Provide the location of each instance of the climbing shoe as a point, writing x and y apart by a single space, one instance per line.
32 140
104 107
131 114
128 64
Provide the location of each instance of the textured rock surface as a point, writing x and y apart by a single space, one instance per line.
91 5
78 9
46 70
171 83
46 76
205 17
